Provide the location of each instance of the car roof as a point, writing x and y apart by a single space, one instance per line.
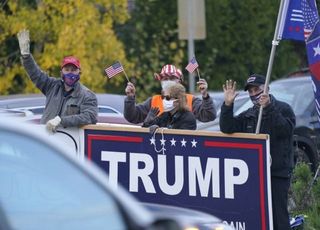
115 101
21 100
295 78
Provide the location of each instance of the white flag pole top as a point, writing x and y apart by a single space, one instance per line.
198 74
284 12
275 42
125 74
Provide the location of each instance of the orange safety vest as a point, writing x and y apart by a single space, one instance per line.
156 102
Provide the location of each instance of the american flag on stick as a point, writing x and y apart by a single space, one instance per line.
115 69
193 64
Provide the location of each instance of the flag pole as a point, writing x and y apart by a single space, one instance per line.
275 42
125 74
198 74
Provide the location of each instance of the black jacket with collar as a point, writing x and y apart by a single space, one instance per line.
179 120
278 120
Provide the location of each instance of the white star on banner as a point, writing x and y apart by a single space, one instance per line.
183 143
152 141
163 142
173 142
194 143
316 50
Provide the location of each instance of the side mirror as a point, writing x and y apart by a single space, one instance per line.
166 224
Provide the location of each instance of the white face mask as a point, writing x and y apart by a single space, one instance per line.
168 105
167 83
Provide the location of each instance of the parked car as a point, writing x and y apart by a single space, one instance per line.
44 186
219 99
110 107
297 91
114 101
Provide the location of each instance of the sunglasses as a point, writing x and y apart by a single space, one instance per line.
167 97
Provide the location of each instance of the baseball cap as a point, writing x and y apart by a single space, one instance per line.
254 80
70 60
169 70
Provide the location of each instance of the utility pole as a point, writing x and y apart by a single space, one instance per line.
191 20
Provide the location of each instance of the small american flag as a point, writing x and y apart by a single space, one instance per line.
114 69
193 64
311 17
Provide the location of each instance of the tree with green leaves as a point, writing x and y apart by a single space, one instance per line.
82 28
238 42
151 42
239 39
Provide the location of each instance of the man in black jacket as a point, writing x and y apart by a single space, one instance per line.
278 120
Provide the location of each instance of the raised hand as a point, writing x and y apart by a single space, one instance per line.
230 93
130 89
152 114
24 42
203 87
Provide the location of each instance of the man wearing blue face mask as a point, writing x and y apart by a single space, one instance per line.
278 120
68 102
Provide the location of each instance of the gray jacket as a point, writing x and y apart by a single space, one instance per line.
78 108
203 109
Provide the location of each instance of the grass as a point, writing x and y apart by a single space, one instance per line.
305 192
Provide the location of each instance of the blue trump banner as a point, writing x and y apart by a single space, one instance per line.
291 25
227 176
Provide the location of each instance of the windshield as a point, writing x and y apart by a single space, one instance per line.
42 190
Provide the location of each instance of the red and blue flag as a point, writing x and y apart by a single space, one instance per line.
291 25
312 39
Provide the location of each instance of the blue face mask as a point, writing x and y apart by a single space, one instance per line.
70 79
255 98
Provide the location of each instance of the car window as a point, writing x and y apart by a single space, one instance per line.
298 94
243 107
37 111
41 189
105 109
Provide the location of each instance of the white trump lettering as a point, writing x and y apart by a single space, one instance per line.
113 159
162 175
142 170
211 171
231 179
142 173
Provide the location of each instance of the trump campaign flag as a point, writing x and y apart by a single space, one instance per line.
113 70
291 25
312 39
193 64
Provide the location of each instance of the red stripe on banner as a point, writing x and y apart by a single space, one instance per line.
261 175
315 70
92 137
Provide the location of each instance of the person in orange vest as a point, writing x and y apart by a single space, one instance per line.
176 114
203 109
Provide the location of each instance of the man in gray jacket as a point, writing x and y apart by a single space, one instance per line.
203 109
68 102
